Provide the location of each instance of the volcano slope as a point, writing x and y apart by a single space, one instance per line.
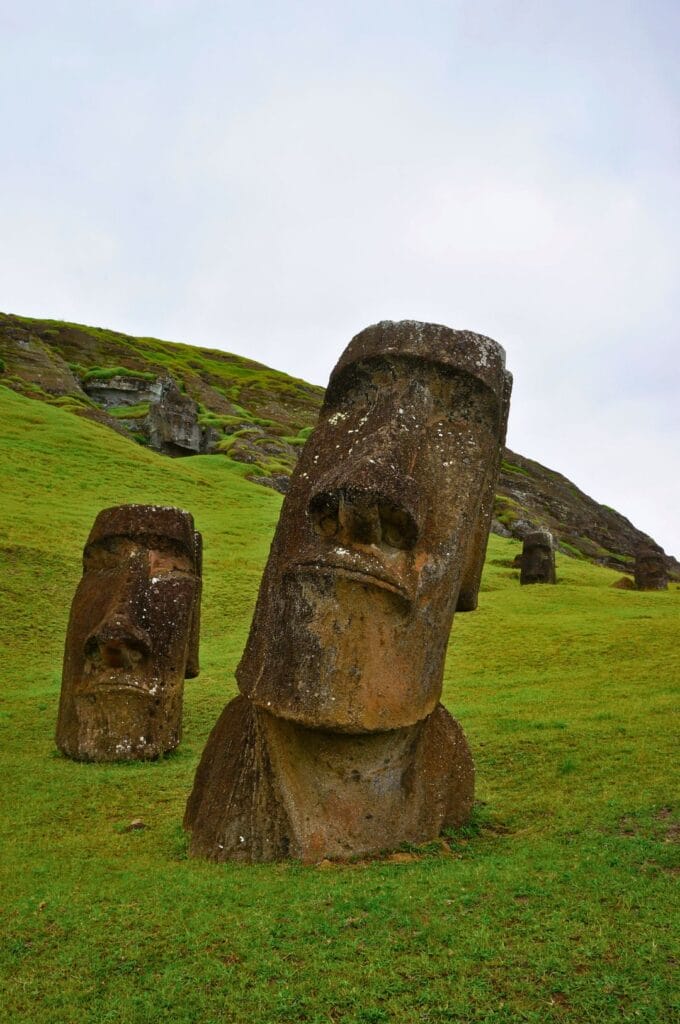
183 399
556 904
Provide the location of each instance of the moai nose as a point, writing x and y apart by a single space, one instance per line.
120 641
119 644
350 516
358 519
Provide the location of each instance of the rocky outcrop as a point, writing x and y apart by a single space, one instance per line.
120 390
26 357
172 424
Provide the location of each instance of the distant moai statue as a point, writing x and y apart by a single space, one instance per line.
650 568
338 745
133 636
538 558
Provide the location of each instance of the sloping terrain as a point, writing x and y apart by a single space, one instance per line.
184 400
557 904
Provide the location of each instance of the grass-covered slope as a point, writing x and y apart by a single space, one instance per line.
258 416
556 904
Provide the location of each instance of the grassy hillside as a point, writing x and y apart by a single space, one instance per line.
256 416
556 904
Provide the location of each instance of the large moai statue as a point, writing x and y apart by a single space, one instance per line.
132 636
650 568
338 745
538 558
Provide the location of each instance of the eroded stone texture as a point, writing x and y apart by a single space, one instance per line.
650 568
538 558
339 745
132 637
472 576
173 424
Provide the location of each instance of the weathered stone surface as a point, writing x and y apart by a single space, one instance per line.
267 788
650 568
132 636
472 576
538 558
339 745
113 392
172 422
26 355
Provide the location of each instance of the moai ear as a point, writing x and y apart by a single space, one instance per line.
479 538
192 667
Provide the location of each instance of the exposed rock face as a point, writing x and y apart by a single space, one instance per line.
339 745
121 390
26 356
538 558
132 636
650 568
173 423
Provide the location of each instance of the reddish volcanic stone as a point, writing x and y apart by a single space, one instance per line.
339 745
132 636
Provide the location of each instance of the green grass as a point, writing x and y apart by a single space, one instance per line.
129 412
555 904
511 467
108 372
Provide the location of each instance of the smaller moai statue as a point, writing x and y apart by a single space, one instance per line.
132 637
538 558
650 568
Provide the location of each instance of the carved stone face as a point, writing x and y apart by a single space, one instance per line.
132 635
650 568
538 558
356 604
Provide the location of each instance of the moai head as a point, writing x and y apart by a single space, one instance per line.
132 636
538 558
356 603
650 568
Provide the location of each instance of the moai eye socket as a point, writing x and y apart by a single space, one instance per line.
323 510
397 527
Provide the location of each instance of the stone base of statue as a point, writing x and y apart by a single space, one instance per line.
267 788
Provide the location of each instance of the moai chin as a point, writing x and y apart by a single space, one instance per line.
132 636
338 745
650 568
538 558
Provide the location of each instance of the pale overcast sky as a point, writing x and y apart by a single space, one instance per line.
269 178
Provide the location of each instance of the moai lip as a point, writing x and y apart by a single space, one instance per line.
650 568
384 519
538 558
132 636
